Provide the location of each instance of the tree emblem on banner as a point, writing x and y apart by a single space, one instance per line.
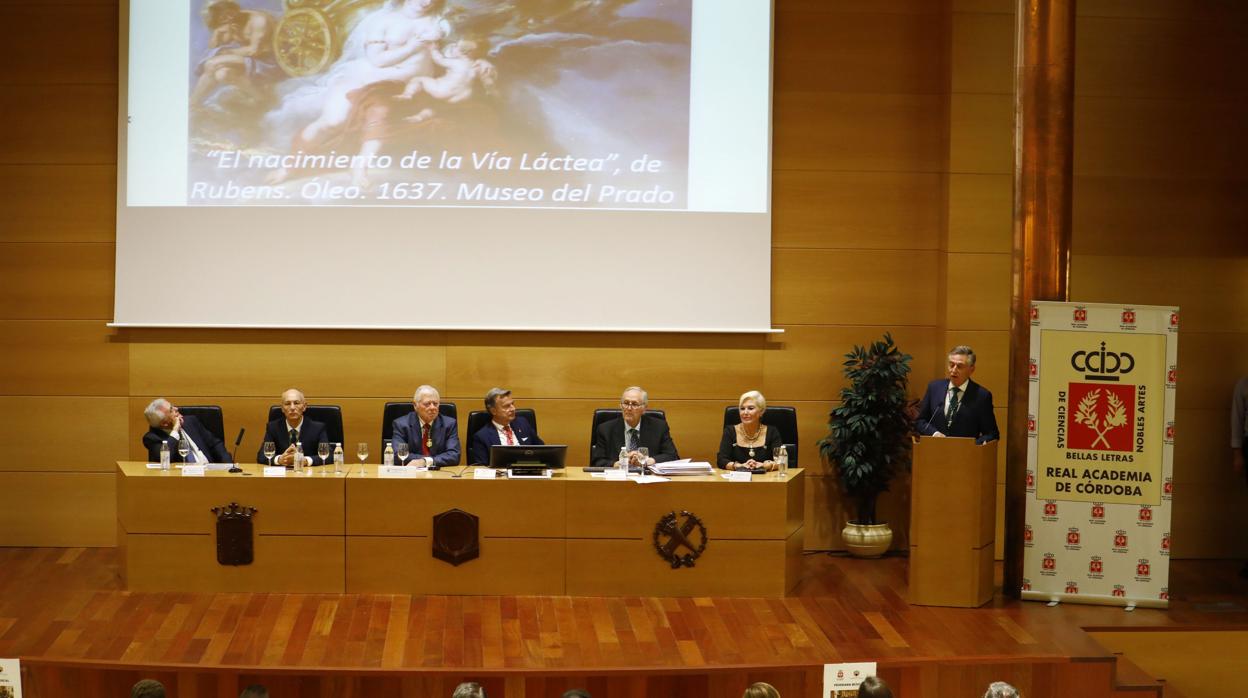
1103 410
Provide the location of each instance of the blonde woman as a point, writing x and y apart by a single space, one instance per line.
761 690
749 445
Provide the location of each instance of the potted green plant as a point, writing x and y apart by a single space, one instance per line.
868 439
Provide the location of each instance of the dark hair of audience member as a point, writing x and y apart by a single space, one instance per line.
254 691
874 687
469 689
148 688
761 690
576 693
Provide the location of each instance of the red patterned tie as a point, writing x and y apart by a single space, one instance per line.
511 440
424 442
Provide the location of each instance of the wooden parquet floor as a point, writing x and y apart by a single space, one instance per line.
66 605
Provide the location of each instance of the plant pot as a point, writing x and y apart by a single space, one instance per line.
870 540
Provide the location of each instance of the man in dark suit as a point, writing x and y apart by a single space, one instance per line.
958 406
432 439
292 428
632 431
168 425
505 428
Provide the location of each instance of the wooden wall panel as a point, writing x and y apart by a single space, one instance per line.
65 281
1209 521
72 124
1203 455
858 132
50 357
58 509
1161 217
1142 57
978 291
35 437
883 288
980 214
28 31
804 363
1158 138
873 52
34 199
856 210
601 366
981 133
247 363
1208 290
982 48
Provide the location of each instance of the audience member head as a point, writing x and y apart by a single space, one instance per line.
426 401
254 691
501 407
874 687
469 689
161 413
761 690
1001 689
576 693
961 364
633 403
148 688
293 406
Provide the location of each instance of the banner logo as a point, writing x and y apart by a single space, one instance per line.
1103 412
1146 516
1119 591
1072 539
1128 318
1165 544
1102 365
1050 509
1174 320
1027 535
1048 565
1142 571
1098 512
1072 588
1096 567
1080 317
1120 542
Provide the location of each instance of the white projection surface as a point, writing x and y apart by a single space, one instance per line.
465 164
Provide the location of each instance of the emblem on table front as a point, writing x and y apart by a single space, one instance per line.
674 534
234 534
455 536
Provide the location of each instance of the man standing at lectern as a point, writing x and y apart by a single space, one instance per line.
432 439
291 428
958 406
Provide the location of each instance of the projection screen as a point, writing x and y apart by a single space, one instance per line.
467 164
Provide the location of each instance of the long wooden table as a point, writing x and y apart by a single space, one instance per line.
573 534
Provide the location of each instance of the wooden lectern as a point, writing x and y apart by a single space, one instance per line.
953 507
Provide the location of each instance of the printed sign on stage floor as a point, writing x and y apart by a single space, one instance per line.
842 680
1100 453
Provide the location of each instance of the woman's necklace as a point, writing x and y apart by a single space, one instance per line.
749 440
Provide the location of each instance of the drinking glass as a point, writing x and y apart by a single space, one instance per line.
780 456
643 457
401 452
270 450
184 447
322 450
361 451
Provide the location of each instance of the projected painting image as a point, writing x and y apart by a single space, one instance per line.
550 103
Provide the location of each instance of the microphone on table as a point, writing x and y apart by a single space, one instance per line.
234 456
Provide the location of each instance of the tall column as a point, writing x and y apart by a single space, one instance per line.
1044 99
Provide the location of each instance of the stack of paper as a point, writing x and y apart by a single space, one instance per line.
683 467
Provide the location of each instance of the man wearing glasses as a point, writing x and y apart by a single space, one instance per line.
633 431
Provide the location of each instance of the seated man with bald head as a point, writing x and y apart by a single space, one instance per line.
292 428
432 438
168 425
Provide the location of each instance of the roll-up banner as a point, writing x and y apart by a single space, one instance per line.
1100 453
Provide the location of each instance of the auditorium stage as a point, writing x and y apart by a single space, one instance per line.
63 612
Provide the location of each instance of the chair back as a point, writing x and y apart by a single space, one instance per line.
329 415
208 415
395 410
479 418
779 417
